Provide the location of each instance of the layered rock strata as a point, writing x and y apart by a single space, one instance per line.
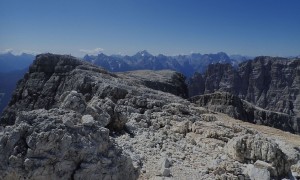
272 84
240 109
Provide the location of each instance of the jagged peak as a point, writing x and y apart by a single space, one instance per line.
143 53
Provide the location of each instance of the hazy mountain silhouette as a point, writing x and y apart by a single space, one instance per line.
186 64
10 62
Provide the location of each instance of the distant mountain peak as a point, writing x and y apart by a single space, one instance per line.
102 55
143 53
186 64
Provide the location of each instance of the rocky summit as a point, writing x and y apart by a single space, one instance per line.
69 119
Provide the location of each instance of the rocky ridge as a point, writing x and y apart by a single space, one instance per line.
269 83
240 109
71 120
163 80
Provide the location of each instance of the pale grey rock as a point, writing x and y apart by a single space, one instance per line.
257 173
182 127
74 101
165 172
163 167
87 120
264 165
163 80
101 110
208 118
165 163
250 148
295 169
41 146
123 131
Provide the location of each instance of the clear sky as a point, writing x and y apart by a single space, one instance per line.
248 27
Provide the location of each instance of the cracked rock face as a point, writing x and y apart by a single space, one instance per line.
71 120
252 148
271 84
56 144
240 109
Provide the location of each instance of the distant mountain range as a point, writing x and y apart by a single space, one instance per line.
10 62
13 67
186 64
8 81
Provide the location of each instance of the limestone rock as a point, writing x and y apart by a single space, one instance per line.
257 173
182 127
240 109
164 167
163 80
87 120
295 169
270 83
74 101
40 146
264 165
164 162
71 120
250 148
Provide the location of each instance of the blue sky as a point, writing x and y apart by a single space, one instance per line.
248 27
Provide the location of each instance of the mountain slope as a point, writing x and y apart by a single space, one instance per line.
69 119
269 83
240 109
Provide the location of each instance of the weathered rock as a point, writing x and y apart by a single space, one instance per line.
249 149
164 162
164 167
295 169
163 80
182 127
71 120
268 83
74 101
165 172
87 120
41 146
263 165
257 173
240 109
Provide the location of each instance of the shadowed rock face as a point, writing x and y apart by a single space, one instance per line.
269 83
71 120
239 109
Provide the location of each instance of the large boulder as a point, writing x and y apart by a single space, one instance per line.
251 148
